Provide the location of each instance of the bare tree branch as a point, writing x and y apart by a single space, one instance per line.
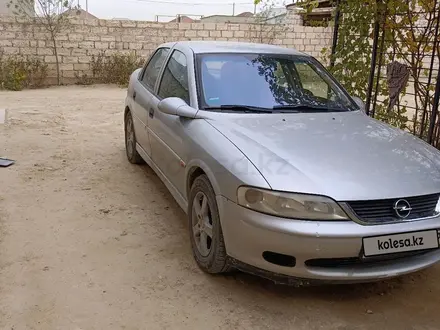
51 14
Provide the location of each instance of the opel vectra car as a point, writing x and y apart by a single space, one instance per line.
280 171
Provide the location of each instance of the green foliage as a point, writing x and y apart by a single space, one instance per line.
116 68
316 23
353 52
406 35
411 26
18 72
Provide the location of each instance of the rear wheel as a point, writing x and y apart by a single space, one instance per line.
130 141
206 234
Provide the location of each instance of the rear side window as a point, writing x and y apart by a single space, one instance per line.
152 70
175 78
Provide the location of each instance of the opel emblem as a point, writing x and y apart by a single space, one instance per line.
402 208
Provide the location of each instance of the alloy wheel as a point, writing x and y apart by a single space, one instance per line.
129 136
202 224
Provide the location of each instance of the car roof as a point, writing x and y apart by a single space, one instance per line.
200 47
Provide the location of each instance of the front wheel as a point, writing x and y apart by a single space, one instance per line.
206 234
130 141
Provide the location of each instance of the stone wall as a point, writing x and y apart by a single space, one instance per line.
85 38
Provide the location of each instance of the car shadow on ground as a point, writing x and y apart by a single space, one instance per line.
322 291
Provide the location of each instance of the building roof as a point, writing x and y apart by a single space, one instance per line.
183 19
277 18
81 13
245 14
275 11
200 47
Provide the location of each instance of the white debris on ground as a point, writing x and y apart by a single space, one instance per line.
2 116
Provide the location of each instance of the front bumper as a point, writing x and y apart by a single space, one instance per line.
248 234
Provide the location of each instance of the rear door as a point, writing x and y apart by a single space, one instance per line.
167 132
142 96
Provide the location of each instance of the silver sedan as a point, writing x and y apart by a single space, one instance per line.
280 171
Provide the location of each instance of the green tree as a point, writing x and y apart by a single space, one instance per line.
407 34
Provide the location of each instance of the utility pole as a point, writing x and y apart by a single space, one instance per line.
255 9
87 7
233 9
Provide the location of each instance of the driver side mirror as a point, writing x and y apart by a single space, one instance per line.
177 107
359 103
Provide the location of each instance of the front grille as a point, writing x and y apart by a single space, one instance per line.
382 210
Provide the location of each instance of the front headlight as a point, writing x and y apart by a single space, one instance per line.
290 205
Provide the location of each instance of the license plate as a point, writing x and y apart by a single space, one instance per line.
423 240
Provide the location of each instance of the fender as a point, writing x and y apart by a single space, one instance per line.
201 164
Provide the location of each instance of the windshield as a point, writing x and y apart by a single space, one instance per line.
277 82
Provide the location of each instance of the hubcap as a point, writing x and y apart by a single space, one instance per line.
129 137
202 224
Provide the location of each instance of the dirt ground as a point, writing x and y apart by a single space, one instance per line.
89 241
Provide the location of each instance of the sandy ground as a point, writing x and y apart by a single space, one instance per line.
88 241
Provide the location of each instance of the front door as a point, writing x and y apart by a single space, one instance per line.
167 131
143 94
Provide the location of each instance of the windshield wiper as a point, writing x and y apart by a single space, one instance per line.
239 107
307 108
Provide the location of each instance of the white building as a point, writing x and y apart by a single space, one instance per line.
5 9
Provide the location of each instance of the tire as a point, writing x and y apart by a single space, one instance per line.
130 141
205 230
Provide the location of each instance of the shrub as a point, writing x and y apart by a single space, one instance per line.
19 72
83 79
116 68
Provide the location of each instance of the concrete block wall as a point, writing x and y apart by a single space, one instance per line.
85 38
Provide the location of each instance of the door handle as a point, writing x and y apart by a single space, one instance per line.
151 112
134 96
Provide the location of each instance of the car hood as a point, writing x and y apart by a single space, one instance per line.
347 155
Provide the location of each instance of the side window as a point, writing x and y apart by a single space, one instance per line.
152 70
312 81
175 78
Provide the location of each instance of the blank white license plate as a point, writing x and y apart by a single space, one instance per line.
422 240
